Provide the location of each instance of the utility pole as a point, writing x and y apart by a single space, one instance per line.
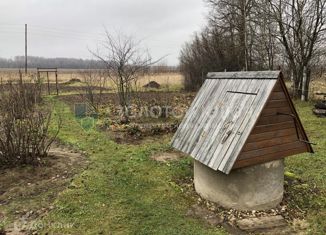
25 48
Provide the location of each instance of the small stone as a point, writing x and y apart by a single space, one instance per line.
283 209
268 222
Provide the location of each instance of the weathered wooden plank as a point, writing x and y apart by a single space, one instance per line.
206 136
279 95
229 128
274 111
300 126
244 75
270 150
269 143
239 113
270 135
218 123
213 125
210 108
273 120
219 129
269 157
246 126
273 127
214 111
277 104
278 87
193 114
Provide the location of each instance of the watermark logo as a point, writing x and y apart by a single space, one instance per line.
154 112
86 117
24 225
87 123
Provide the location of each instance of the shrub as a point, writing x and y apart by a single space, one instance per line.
134 130
24 125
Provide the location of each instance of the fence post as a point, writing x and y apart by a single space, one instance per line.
56 82
47 76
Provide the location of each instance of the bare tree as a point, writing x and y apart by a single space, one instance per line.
125 61
235 18
266 45
239 36
302 31
259 34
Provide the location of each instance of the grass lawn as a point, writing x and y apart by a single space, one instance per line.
311 168
123 191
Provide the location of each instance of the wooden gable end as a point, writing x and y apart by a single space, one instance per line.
278 132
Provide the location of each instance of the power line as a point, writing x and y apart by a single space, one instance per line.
79 34
70 34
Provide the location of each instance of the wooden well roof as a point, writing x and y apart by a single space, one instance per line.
223 115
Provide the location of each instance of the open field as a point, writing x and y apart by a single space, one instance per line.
168 81
65 75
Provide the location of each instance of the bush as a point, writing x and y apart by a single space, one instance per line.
134 130
24 125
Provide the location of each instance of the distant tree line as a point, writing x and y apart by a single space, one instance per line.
258 35
41 62
69 63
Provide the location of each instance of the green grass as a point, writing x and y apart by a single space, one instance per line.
311 168
123 191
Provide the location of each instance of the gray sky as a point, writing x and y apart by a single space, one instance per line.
67 28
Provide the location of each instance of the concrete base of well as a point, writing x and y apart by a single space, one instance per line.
257 187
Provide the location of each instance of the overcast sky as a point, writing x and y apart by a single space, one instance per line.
67 28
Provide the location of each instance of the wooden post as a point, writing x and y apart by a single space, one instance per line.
39 82
20 78
56 82
47 76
